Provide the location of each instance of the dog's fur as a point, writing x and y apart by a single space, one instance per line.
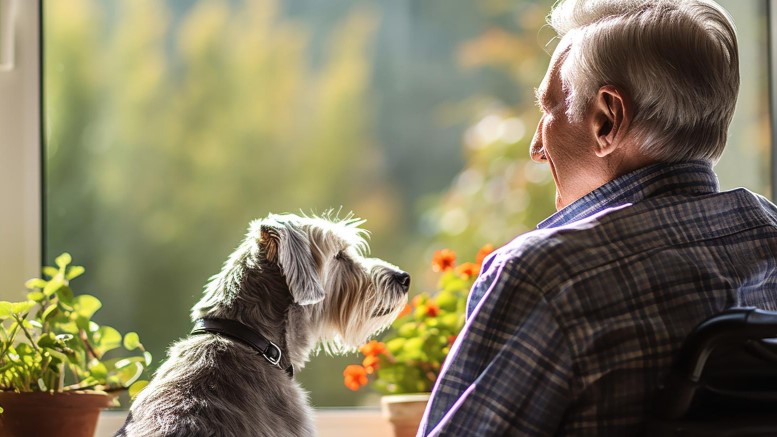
302 282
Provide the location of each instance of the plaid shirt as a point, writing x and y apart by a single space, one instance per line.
570 327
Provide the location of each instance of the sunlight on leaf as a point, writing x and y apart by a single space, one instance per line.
50 271
74 272
5 309
52 287
129 374
63 260
131 341
136 388
85 305
35 283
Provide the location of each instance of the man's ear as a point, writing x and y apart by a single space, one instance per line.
611 119
289 247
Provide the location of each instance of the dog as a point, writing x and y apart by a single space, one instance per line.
294 285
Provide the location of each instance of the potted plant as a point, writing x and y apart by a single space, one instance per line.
405 364
58 368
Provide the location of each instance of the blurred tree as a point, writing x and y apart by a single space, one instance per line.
164 141
500 192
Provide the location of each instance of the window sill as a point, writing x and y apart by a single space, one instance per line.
330 422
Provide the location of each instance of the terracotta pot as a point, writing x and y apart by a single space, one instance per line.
71 414
404 412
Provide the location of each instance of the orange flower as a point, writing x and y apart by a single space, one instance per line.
432 310
419 300
373 348
405 311
355 376
483 253
443 260
468 270
370 363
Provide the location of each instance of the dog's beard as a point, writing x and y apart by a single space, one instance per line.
382 312
358 324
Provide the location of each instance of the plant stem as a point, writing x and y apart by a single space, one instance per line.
27 334
8 344
89 350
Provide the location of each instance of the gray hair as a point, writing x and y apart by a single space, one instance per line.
677 60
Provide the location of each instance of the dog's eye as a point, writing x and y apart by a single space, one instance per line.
340 256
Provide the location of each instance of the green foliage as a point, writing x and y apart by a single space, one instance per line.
420 339
423 337
50 343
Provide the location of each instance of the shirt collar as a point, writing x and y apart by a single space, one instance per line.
688 177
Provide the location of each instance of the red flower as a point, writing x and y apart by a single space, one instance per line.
483 253
370 363
373 348
468 270
432 310
355 376
443 260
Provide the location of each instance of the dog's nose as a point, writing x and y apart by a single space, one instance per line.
404 279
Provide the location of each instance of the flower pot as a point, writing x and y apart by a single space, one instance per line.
72 414
404 412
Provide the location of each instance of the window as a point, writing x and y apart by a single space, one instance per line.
169 125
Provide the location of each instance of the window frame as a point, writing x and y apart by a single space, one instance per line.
771 24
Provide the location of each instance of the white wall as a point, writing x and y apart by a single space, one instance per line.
20 188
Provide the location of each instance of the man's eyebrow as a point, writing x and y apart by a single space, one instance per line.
540 98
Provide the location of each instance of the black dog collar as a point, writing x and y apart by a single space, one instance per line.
238 331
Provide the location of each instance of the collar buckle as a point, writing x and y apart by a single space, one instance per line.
272 354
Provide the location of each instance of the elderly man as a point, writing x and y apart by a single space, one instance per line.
571 327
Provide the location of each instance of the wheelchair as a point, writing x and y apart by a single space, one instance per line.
723 381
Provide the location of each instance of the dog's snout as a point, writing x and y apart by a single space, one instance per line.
403 278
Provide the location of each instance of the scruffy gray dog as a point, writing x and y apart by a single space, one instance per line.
294 284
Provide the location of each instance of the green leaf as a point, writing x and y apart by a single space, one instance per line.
53 286
37 296
105 339
65 295
20 308
42 385
98 370
86 305
49 341
120 363
50 271
131 341
74 272
35 283
136 388
50 312
5 309
63 260
68 327
147 356
58 355
395 345
129 374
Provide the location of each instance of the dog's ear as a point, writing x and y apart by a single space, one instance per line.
289 247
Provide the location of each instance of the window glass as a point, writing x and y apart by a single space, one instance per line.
171 124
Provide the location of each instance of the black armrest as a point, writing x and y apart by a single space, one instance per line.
731 327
